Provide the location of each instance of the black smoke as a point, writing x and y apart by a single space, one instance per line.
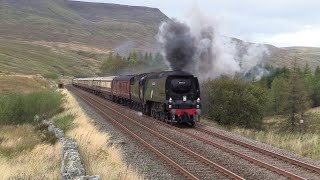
202 51
178 44
183 50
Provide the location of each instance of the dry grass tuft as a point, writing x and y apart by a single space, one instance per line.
22 84
306 145
43 162
24 156
99 158
15 139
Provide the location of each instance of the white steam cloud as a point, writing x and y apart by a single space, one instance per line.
198 47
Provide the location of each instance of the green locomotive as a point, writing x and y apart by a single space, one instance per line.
172 96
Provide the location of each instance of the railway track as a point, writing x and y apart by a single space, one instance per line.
312 171
289 167
308 169
188 163
304 165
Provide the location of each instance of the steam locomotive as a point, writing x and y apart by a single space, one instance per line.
170 96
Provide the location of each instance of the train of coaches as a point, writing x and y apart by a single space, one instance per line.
170 96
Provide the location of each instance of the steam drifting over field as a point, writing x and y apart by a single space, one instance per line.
198 47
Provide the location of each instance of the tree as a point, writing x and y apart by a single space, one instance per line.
150 57
317 73
316 93
113 64
234 102
145 57
297 96
140 56
133 58
278 89
158 58
316 88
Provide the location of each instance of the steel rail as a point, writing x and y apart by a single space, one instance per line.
184 149
183 171
263 151
226 149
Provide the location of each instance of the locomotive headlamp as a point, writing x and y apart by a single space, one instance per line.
170 100
170 106
198 100
184 98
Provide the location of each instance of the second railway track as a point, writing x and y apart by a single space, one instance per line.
283 170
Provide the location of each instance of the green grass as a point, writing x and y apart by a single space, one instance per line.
22 108
101 26
26 58
52 76
306 145
276 132
65 122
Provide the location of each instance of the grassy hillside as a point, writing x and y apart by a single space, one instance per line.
64 37
286 56
11 84
31 58
93 24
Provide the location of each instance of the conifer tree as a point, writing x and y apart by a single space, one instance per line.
297 96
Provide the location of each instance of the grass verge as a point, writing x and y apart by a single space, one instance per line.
64 122
27 149
99 158
306 145
26 154
276 133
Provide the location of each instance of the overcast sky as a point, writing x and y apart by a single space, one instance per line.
278 22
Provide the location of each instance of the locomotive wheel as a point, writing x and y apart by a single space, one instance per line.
163 117
166 120
153 114
158 116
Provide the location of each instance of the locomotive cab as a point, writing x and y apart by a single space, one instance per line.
183 99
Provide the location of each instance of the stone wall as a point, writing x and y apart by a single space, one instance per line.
72 167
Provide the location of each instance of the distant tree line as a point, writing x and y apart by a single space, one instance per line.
284 91
135 62
239 101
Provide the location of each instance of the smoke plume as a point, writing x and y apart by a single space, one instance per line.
178 43
198 47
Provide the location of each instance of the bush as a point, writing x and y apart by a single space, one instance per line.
64 122
21 108
234 102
